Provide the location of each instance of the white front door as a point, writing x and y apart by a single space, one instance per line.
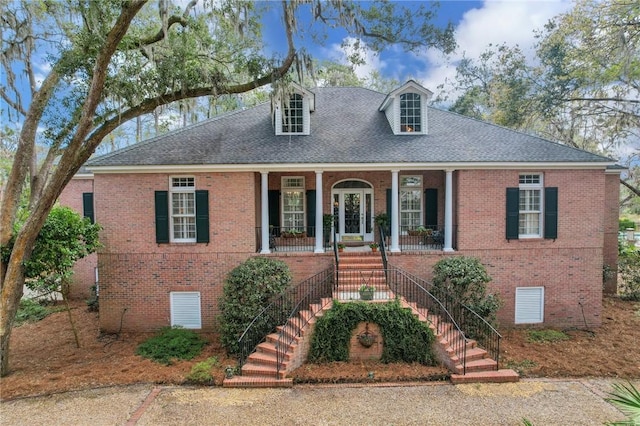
354 209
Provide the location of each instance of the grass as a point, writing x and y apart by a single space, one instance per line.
521 366
172 343
32 311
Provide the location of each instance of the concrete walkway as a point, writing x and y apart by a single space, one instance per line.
541 401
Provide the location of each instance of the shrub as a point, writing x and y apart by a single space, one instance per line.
629 270
546 336
465 279
30 311
201 372
247 291
625 223
406 339
171 343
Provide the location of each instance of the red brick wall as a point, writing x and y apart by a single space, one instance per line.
137 274
611 217
84 269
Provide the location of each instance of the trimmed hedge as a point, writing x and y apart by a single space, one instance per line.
406 339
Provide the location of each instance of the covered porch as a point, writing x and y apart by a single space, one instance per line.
311 211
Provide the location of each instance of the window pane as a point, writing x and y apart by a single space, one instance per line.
292 115
410 112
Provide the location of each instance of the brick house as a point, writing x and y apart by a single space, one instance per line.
181 210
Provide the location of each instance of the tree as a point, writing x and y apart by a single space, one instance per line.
113 61
583 89
64 239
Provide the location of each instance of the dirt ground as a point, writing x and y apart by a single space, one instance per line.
44 358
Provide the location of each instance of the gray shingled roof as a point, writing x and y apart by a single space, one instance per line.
346 127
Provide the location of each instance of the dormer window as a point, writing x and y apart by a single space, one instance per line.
406 109
410 113
292 115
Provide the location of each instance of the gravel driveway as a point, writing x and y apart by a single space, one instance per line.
542 401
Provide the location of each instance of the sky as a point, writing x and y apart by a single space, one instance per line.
477 24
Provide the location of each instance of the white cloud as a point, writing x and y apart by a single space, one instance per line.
340 53
496 22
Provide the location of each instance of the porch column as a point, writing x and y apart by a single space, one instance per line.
448 211
395 213
319 230
264 212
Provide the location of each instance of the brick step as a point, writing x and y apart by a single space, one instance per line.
270 349
273 338
256 382
495 376
363 265
478 365
263 358
262 370
475 353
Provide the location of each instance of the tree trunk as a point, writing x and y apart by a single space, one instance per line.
12 288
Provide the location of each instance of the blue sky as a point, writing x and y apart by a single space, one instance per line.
477 24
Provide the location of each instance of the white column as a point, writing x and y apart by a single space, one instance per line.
448 211
395 213
319 224
264 212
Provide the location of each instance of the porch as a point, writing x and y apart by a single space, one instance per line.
291 239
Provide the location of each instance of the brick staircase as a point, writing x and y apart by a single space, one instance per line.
260 369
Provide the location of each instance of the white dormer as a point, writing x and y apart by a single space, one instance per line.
406 109
292 111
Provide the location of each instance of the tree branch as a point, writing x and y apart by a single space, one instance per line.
631 187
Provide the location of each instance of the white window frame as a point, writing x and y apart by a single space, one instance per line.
181 190
405 188
527 184
529 292
413 114
299 113
196 321
287 224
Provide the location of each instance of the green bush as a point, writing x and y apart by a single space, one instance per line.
625 223
247 291
465 279
201 372
629 270
406 339
171 343
546 336
30 311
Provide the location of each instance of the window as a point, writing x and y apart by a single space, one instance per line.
410 202
532 209
182 213
293 211
292 115
185 309
410 113
530 206
183 209
529 305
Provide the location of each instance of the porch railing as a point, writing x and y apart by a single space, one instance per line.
281 310
289 239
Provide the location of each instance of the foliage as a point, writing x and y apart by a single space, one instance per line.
171 343
31 311
465 279
546 336
629 270
201 372
406 339
627 398
625 223
247 291
520 366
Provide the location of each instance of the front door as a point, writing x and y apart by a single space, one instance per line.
353 209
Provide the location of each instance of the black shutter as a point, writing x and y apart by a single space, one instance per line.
274 209
431 208
162 216
551 213
513 213
311 212
202 216
87 205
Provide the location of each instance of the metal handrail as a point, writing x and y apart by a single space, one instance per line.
321 286
281 309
